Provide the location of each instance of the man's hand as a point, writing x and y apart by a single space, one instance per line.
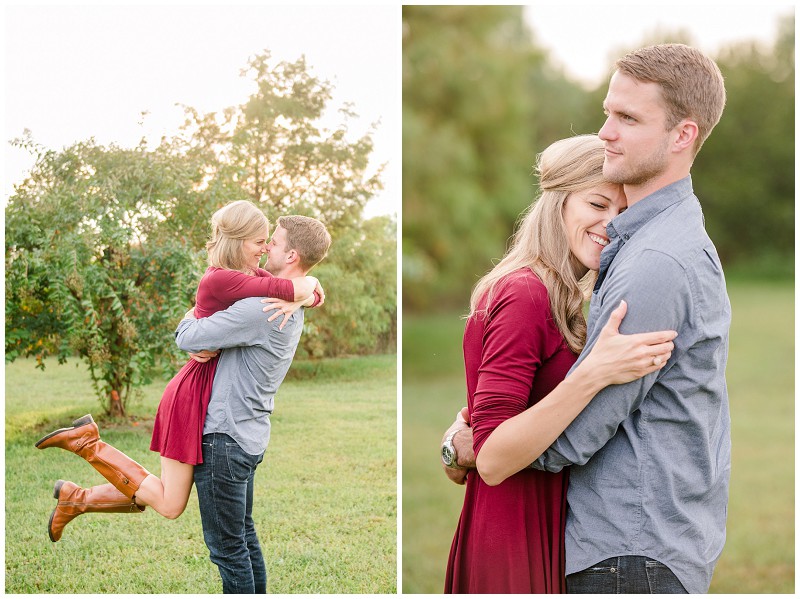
204 356
462 442
189 314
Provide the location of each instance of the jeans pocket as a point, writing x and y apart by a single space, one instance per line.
661 579
240 463
600 578
207 450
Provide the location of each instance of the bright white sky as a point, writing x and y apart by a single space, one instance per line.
76 72
586 37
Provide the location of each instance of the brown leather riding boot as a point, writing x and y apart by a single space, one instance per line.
74 501
83 439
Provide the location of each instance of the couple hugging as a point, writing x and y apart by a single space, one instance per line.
595 461
213 422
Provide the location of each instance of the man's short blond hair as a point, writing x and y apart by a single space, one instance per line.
308 237
691 83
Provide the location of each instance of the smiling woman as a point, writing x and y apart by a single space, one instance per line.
523 335
586 214
238 241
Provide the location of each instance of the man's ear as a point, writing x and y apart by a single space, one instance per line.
687 132
292 257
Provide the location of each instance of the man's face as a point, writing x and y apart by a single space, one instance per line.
635 133
276 251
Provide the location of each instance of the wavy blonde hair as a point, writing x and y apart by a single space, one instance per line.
540 242
231 225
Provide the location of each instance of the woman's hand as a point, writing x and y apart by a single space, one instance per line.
321 293
283 307
204 356
616 358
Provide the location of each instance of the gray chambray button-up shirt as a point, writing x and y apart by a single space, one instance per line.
652 457
255 359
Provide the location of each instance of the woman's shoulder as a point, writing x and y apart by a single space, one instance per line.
216 278
217 273
519 293
522 284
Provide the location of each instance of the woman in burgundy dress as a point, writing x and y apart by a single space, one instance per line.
240 233
524 332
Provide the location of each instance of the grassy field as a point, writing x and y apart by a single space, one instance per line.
326 492
759 552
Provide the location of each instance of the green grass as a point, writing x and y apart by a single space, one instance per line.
759 552
326 492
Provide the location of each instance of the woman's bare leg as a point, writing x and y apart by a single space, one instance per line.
169 494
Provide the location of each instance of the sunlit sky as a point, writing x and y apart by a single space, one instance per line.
586 37
74 72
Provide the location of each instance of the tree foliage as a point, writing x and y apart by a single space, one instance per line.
465 163
481 98
86 271
104 244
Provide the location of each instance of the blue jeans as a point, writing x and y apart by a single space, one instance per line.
625 574
224 484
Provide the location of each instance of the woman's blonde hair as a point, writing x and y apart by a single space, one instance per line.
540 242
231 225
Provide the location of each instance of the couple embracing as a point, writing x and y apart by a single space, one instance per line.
213 422
597 461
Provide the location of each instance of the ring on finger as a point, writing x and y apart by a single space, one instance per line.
656 360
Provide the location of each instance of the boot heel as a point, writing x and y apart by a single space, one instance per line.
57 488
83 420
50 526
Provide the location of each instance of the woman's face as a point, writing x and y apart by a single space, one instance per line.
586 214
255 248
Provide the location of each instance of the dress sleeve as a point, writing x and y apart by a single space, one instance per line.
317 299
515 343
229 286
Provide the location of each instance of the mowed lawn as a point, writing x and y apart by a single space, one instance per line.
325 497
759 552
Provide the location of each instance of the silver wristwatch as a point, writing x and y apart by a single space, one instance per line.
449 456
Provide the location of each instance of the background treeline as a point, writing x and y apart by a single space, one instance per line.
481 98
105 244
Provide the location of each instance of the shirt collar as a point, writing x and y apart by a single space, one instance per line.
634 218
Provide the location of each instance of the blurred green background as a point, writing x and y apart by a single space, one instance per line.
480 98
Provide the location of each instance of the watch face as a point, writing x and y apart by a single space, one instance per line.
448 456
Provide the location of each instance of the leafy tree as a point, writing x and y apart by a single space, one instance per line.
466 152
745 171
103 244
360 275
273 150
82 272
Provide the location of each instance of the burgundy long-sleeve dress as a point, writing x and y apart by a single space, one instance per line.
510 537
178 428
